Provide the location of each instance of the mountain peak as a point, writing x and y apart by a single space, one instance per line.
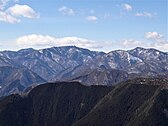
70 62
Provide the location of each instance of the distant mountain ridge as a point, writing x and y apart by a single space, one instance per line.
70 63
15 80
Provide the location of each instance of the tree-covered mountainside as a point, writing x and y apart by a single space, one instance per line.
139 102
60 104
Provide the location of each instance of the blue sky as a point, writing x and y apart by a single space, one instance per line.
95 24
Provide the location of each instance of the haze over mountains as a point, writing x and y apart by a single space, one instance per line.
30 67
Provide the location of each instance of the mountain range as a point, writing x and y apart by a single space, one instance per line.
29 67
137 102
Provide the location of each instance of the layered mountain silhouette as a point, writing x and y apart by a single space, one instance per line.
70 63
136 102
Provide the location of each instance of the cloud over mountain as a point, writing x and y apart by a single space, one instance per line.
35 40
153 35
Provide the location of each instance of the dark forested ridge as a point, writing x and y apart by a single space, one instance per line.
134 102
59 104
142 102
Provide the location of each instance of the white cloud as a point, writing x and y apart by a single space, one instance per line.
8 18
13 14
38 41
131 42
127 7
3 4
128 43
162 46
153 40
66 11
153 35
158 40
144 14
92 18
22 10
